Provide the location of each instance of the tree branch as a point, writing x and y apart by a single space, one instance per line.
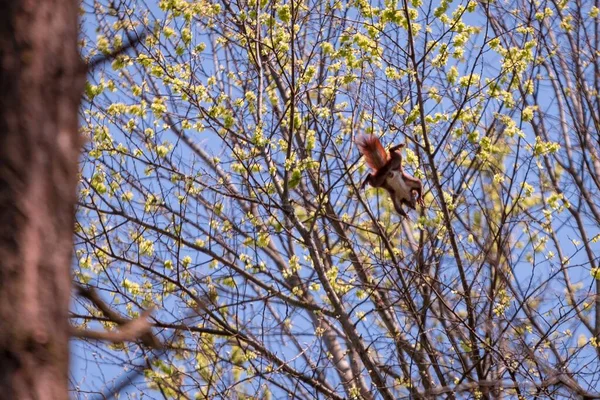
96 61
129 330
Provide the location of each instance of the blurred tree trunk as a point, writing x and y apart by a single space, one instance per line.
41 80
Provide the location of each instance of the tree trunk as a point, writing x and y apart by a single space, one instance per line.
41 80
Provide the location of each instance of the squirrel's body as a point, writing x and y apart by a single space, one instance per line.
396 182
388 173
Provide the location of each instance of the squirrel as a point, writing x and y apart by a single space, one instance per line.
388 173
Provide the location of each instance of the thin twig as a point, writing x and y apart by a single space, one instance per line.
96 61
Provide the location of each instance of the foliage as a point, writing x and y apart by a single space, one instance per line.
220 184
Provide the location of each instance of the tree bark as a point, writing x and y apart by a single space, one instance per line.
41 81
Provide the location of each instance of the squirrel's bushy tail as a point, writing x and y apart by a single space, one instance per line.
372 149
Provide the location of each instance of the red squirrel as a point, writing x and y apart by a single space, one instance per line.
388 173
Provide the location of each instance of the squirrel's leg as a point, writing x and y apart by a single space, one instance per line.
378 179
396 147
416 185
420 199
419 191
417 197
367 180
